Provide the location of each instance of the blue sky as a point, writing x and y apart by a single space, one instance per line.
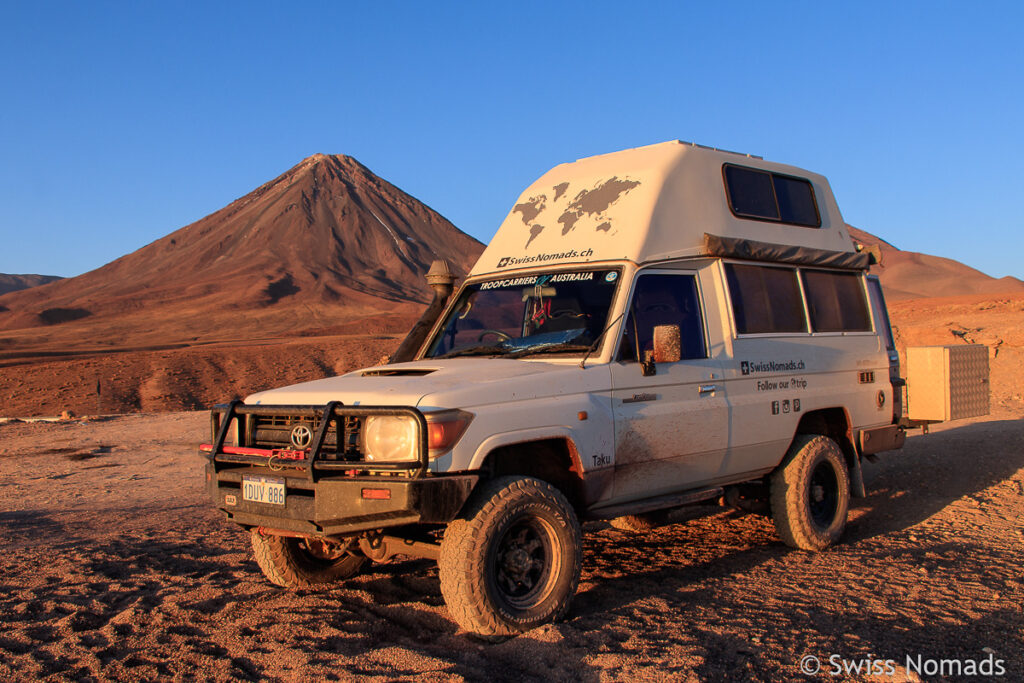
121 122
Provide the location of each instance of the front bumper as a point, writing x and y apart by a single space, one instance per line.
336 505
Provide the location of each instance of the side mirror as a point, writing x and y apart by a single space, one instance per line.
667 344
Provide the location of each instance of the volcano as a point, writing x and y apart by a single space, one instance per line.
324 246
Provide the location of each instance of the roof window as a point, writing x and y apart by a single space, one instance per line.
766 196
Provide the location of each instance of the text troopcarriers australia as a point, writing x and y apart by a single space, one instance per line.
506 261
533 280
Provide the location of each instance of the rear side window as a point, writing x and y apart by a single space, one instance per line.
836 301
767 196
881 312
764 299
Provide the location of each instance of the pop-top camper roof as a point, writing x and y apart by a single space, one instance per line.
672 200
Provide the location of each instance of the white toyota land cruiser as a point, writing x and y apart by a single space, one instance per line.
658 327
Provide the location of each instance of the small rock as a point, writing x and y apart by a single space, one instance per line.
67 415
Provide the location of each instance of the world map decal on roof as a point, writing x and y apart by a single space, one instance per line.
588 205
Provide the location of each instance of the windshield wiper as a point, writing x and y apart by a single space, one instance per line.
593 347
483 350
549 348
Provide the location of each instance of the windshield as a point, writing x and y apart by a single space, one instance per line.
557 312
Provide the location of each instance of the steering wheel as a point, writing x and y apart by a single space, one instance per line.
501 335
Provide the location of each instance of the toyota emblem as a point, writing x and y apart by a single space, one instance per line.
302 436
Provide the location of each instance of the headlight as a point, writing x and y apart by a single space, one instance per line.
390 439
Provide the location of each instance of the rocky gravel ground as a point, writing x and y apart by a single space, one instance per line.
115 568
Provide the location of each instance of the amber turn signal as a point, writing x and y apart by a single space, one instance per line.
444 429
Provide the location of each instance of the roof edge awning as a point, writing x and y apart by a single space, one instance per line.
752 250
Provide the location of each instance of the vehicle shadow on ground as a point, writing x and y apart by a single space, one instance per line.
22 525
862 638
671 559
932 471
802 603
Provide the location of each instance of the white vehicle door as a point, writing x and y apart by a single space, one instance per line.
671 428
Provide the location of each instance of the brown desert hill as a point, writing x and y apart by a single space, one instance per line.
15 283
911 275
325 246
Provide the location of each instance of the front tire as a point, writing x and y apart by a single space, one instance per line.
511 562
810 494
304 563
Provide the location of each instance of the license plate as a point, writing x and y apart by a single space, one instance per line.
263 490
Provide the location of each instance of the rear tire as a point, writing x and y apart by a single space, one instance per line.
301 563
810 493
511 562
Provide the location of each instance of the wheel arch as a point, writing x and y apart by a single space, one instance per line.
834 423
553 459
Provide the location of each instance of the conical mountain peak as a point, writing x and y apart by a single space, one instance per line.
327 232
335 160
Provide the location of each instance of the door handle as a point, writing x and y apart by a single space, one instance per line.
706 388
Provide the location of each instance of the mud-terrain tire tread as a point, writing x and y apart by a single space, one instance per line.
789 497
462 563
281 561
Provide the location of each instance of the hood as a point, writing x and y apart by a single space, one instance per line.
450 383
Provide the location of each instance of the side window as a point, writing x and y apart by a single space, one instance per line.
796 201
765 299
881 313
767 196
750 193
836 301
664 300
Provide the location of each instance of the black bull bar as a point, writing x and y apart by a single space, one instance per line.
313 463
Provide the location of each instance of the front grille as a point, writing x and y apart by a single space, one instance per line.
275 431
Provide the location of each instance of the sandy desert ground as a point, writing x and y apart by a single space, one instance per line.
115 568
183 378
